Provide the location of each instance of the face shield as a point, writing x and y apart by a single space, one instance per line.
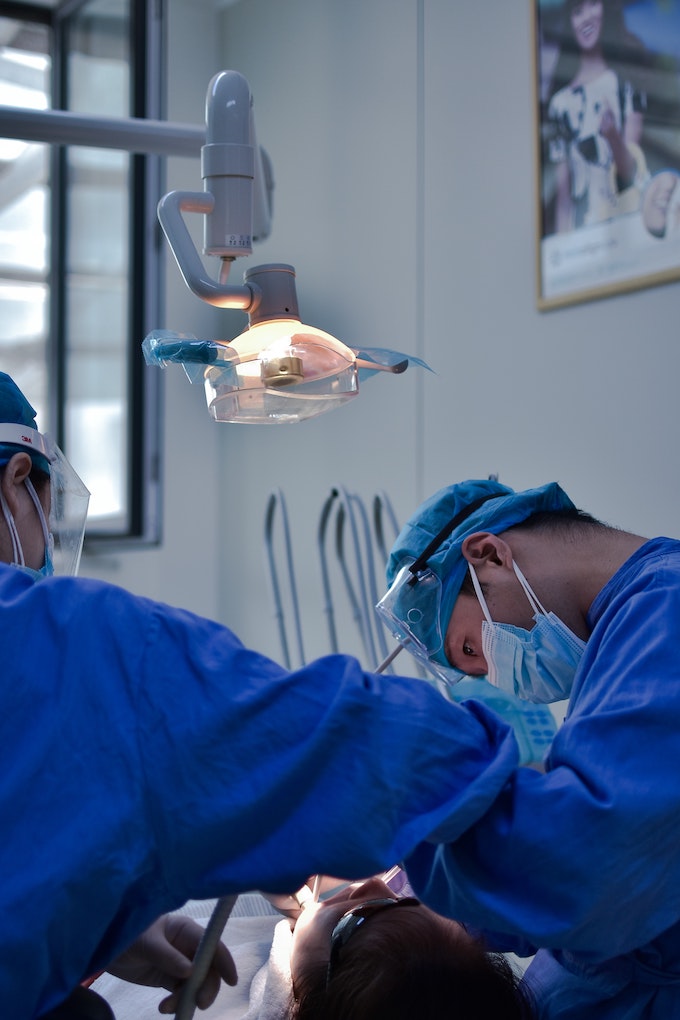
411 611
69 498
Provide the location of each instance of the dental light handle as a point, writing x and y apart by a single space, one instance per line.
220 294
204 957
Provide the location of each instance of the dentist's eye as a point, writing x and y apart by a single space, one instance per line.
467 650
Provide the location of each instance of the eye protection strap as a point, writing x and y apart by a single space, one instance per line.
421 563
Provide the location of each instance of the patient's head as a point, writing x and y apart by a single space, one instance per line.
394 959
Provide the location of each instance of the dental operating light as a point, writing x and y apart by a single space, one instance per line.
278 370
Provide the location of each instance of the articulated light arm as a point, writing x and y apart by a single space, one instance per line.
231 169
170 209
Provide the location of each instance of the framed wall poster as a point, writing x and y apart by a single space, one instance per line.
607 80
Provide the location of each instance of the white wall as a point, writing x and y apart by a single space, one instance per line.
401 133
184 570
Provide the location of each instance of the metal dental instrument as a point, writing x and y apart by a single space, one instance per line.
361 604
276 501
358 551
389 659
382 507
328 608
203 958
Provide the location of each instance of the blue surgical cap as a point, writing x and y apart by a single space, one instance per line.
502 508
16 409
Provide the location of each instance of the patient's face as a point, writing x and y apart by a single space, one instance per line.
313 929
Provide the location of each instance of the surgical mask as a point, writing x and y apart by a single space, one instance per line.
69 499
538 665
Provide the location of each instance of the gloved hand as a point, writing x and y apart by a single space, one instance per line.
161 958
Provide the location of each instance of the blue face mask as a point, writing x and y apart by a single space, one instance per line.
47 569
538 665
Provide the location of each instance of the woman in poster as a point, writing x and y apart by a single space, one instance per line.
595 116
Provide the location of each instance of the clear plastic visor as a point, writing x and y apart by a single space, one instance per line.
411 610
69 497
69 501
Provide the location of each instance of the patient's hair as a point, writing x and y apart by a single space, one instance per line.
400 967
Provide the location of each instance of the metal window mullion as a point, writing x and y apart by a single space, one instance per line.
56 338
144 277
137 43
154 185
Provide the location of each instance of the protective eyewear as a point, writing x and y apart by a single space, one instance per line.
411 607
354 919
411 611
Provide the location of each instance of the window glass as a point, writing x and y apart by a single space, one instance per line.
77 293
25 68
97 294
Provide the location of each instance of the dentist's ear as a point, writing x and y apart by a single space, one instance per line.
483 548
13 477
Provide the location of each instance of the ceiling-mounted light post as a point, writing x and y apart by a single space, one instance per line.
278 370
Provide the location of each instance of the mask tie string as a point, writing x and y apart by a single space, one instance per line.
526 587
41 514
478 592
529 591
17 551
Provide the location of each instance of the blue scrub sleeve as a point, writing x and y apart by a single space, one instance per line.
148 757
584 858
271 776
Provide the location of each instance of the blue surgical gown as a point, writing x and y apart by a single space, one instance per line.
148 758
584 860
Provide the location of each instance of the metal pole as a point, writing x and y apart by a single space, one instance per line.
58 127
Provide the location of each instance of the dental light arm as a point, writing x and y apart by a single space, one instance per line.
228 169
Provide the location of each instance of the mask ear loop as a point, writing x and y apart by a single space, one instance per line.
17 551
41 514
478 592
526 587
528 591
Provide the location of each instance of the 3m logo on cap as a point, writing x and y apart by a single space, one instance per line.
27 439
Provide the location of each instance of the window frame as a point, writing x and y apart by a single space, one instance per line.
142 516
